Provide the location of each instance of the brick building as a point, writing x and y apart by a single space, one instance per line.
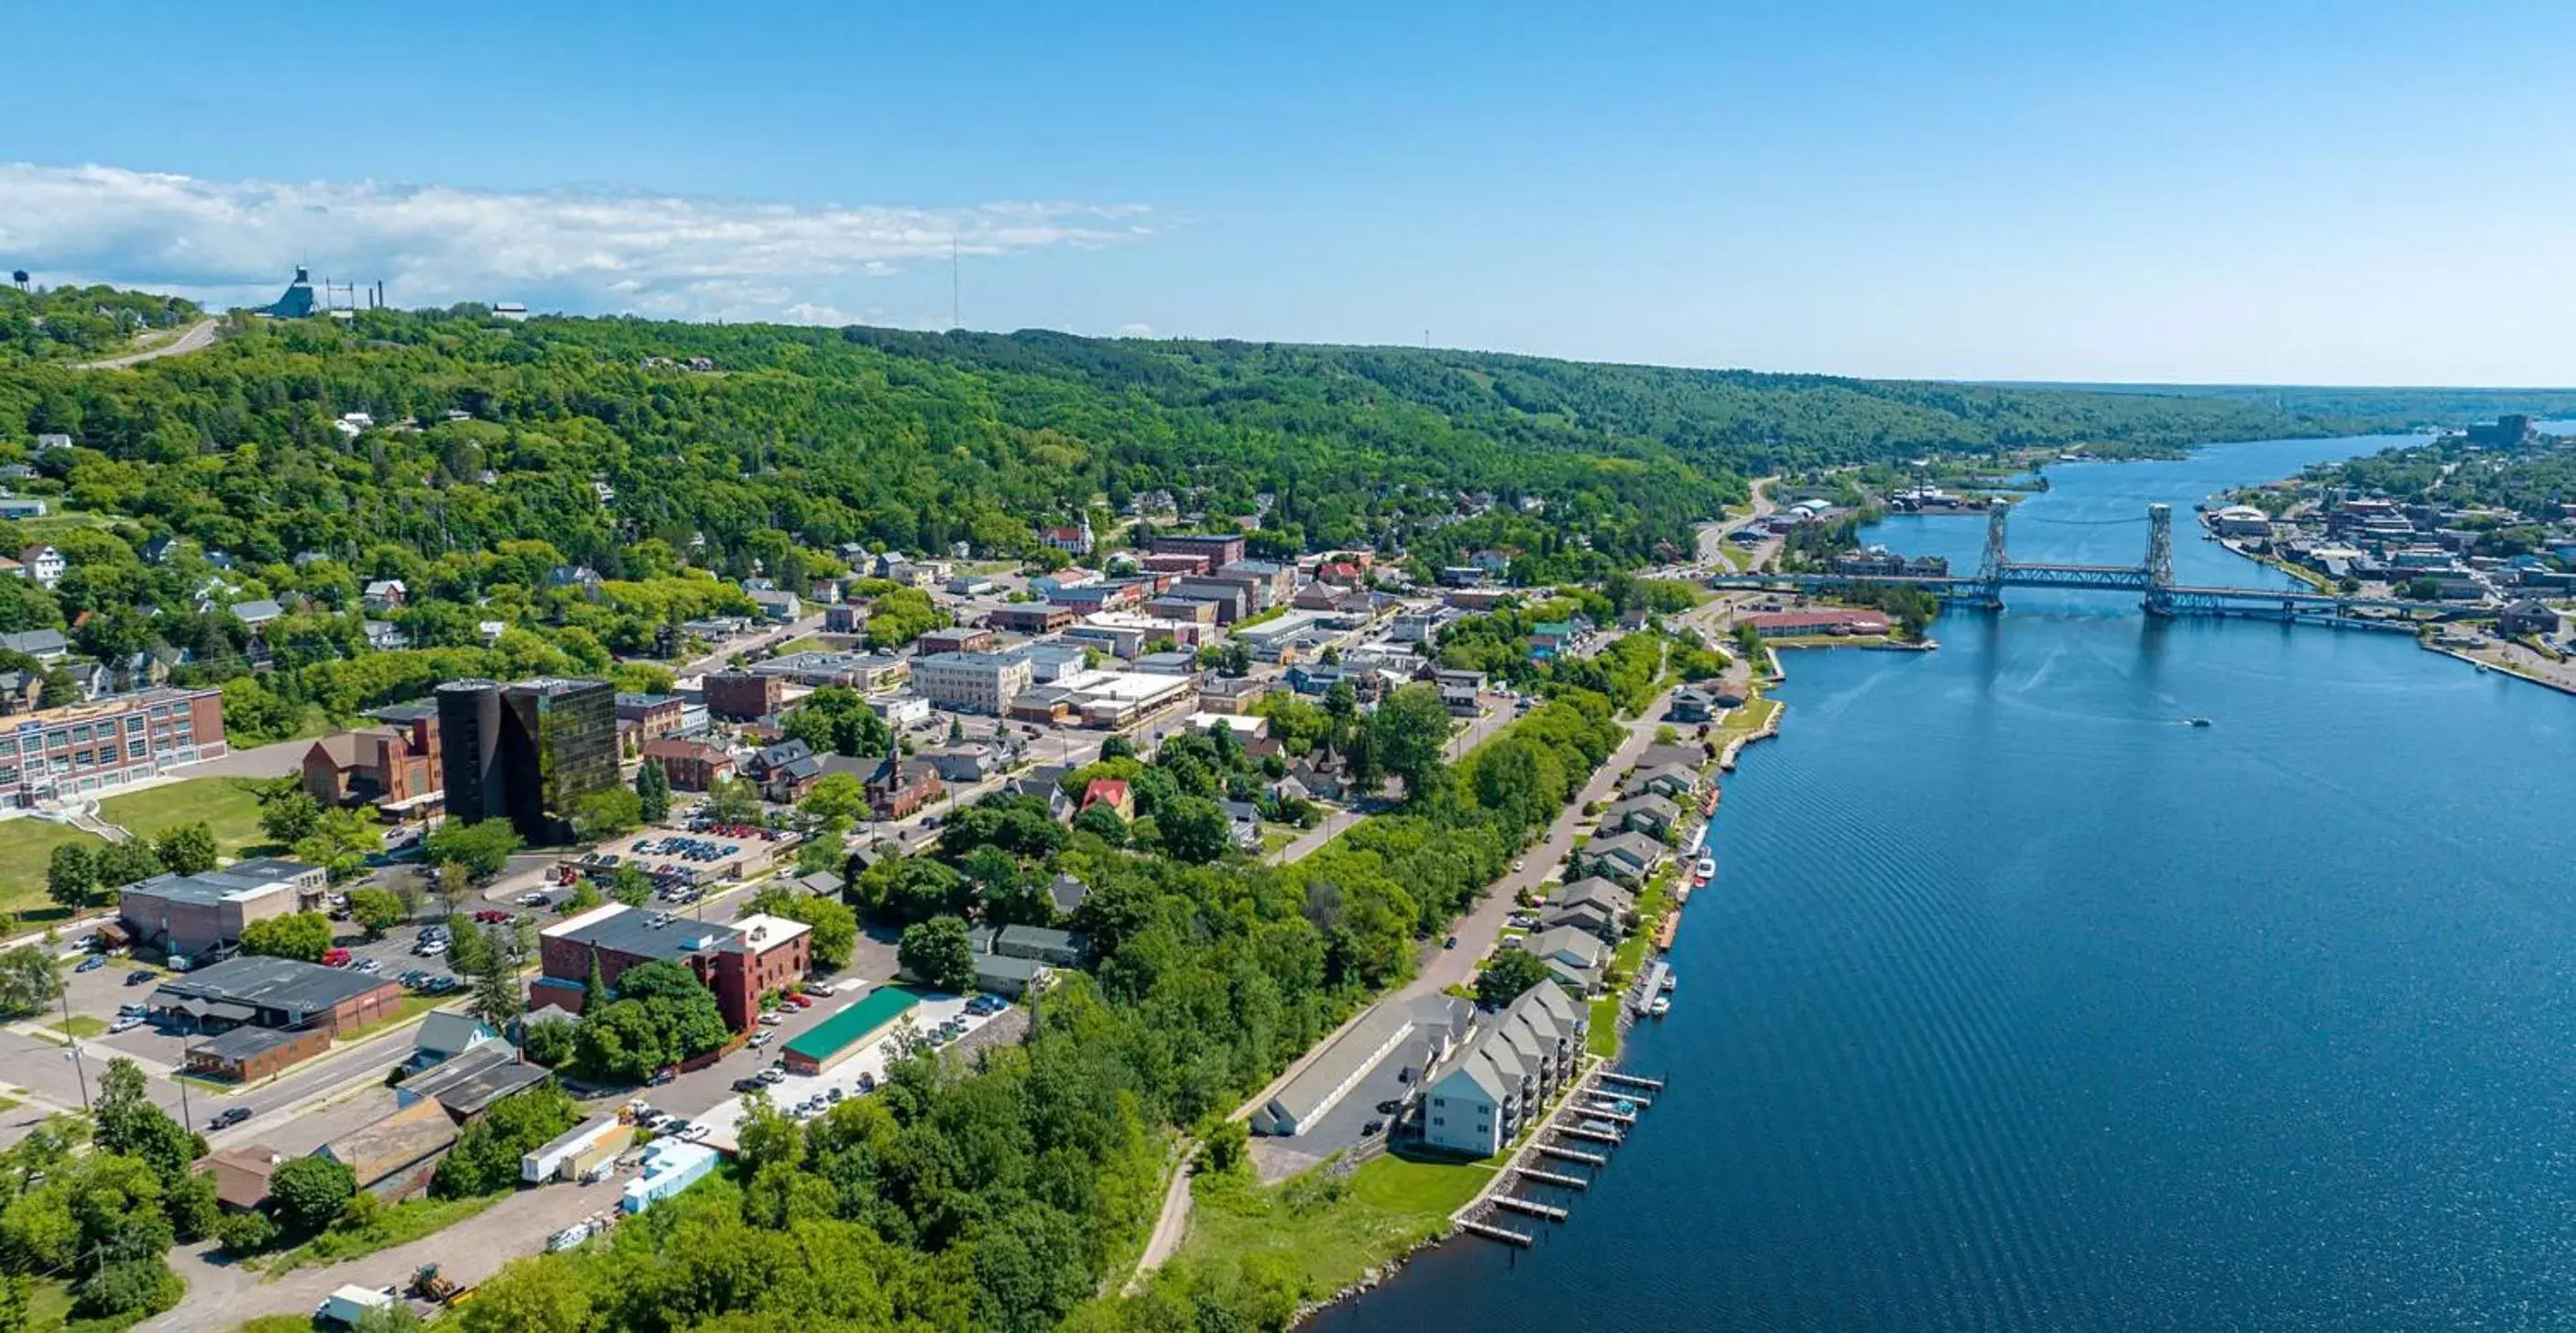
690 765
62 754
739 962
393 767
739 695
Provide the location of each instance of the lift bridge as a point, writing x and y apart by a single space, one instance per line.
2152 578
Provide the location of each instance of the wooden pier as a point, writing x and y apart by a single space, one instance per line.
1631 1080
1569 1155
1491 1232
1552 1178
1588 1135
1664 933
1613 1117
1532 1207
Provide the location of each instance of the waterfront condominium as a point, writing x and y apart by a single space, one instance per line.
1483 1096
527 752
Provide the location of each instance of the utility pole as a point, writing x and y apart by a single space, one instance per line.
63 992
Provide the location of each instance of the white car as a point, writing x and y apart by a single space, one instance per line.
125 1023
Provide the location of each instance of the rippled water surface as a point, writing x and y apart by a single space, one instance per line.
2019 1004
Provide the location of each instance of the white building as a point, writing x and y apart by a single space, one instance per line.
1479 1101
44 564
970 682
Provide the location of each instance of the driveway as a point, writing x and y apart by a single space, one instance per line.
195 337
262 761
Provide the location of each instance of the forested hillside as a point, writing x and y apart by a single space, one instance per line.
80 321
467 455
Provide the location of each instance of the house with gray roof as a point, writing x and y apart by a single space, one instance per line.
1626 857
1575 955
1645 813
1479 1101
1591 904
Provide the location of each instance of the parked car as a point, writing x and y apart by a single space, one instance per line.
748 1083
139 976
125 1023
1373 1128
92 963
1389 1107
762 1038
229 1117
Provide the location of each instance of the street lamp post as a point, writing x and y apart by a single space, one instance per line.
63 992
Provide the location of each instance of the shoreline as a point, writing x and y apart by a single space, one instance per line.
1451 1232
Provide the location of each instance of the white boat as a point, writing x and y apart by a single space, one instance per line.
1660 1007
1669 980
1706 869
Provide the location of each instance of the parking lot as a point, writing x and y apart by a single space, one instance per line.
850 1078
679 859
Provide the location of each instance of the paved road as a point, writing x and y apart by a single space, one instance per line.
262 761
749 644
196 337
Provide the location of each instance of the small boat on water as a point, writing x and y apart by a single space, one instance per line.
1706 870
1669 981
2195 722
1660 1007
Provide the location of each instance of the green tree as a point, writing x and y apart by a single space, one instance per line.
122 863
835 928
340 841
836 796
188 849
303 936
735 801
376 910
287 815
1102 822
548 1043
1194 829
938 952
71 876
527 1296
652 792
608 812
482 848
31 980
308 1192
631 886
1511 972
1407 733
486 1157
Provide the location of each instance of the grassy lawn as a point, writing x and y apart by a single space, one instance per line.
401 1224
1602 1038
83 1026
1753 716
1327 1230
229 805
278 1323
26 845
411 1006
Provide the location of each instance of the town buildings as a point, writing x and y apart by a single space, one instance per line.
62 754
739 696
396 767
188 915
1504 1073
527 752
970 682
740 962
691 765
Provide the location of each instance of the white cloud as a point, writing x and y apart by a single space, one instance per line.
1133 329
580 250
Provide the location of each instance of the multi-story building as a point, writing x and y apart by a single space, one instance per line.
859 671
62 754
527 752
970 682
1273 583
1030 618
395 768
740 696
190 914
690 765
654 715
1504 1074
955 639
1217 548
741 962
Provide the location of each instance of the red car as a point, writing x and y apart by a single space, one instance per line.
335 957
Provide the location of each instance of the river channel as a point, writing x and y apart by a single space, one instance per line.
2019 1003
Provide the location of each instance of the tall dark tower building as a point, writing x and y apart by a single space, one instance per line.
563 747
527 752
469 732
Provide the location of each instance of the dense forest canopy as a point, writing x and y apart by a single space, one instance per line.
60 321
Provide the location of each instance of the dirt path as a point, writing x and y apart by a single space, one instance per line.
195 337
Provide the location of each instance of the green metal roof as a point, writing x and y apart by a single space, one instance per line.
881 1006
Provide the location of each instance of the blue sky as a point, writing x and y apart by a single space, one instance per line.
2258 191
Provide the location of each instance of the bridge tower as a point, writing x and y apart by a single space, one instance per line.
2159 563
1990 571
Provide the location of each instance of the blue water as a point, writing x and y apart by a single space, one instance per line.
2020 1005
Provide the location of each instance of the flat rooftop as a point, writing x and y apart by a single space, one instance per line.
269 983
